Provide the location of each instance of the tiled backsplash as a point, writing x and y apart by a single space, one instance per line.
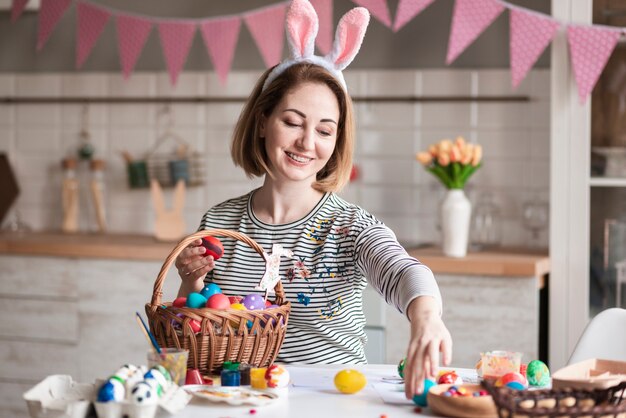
393 186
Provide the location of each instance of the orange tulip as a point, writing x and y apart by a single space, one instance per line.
443 159
424 158
478 155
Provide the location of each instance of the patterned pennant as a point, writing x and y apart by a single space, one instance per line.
132 34
378 9
469 19
176 39
324 10
91 21
590 49
220 37
272 266
530 35
407 10
267 27
50 12
17 8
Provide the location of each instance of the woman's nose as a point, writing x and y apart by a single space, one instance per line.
307 139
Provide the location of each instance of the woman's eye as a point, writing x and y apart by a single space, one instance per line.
325 133
291 124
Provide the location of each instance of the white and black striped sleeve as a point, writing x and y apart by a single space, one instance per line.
397 276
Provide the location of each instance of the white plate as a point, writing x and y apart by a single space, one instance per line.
232 395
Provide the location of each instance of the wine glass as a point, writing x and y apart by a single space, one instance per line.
536 213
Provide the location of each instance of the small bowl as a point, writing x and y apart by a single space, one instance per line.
461 406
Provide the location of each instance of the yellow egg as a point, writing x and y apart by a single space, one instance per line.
350 381
238 306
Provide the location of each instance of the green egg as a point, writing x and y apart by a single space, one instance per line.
401 367
538 373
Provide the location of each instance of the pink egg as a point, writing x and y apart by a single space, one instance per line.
218 301
513 380
180 302
253 301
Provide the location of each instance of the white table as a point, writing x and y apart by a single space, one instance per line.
315 396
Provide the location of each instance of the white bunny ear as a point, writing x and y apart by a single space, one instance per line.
348 37
302 27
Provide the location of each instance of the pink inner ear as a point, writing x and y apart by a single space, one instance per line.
350 33
299 32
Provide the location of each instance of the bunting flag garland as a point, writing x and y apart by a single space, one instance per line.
91 22
132 34
324 10
590 46
176 38
378 8
407 10
469 19
50 12
590 50
220 37
267 27
530 34
17 8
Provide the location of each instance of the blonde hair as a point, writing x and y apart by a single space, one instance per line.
247 148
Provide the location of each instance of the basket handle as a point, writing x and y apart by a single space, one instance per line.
157 292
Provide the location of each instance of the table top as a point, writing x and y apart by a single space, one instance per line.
312 394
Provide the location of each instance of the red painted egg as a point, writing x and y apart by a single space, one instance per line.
235 299
195 325
218 301
179 302
213 247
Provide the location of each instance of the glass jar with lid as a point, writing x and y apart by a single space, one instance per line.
486 223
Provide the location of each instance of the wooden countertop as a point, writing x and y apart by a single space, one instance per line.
512 263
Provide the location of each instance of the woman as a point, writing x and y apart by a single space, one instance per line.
297 130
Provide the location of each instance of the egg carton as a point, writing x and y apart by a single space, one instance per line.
59 396
173 401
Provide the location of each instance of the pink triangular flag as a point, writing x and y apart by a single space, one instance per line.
469 19
220 37
91 21
176 38
378 9
530 35
407 10
132 34
50 12
17 7
590 49
324 10
267 27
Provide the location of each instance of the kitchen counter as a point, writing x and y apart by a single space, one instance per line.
500 263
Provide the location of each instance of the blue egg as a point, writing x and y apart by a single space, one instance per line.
210 289
421 398
195 300
515 385
111 391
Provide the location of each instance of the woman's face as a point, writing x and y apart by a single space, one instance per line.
301 133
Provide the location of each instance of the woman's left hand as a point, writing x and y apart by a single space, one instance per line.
429 337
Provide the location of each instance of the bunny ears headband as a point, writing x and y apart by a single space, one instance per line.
302 26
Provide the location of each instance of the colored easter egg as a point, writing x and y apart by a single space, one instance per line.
210 290
253 301
538 373
179 302
350 381
111 391
196 300
238 306
164 372
401 367
143 393
158 376
195 325
235 299
276 376
450 378
513 380
218 301
421 398
213 247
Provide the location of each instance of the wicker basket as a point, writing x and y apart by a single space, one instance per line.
225 335
562 403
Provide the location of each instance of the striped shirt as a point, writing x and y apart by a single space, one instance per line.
338 248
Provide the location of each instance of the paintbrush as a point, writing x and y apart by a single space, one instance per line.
148 334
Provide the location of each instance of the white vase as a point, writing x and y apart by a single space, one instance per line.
456 212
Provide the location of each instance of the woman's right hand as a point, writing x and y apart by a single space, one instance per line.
192 266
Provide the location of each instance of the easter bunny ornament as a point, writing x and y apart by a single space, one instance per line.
301 27
169 225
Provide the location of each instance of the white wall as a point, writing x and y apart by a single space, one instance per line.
515 137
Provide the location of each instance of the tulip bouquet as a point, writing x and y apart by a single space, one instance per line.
452 162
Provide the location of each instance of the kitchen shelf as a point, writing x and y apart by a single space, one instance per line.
607 182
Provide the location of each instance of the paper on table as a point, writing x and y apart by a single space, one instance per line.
392 393
311 377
